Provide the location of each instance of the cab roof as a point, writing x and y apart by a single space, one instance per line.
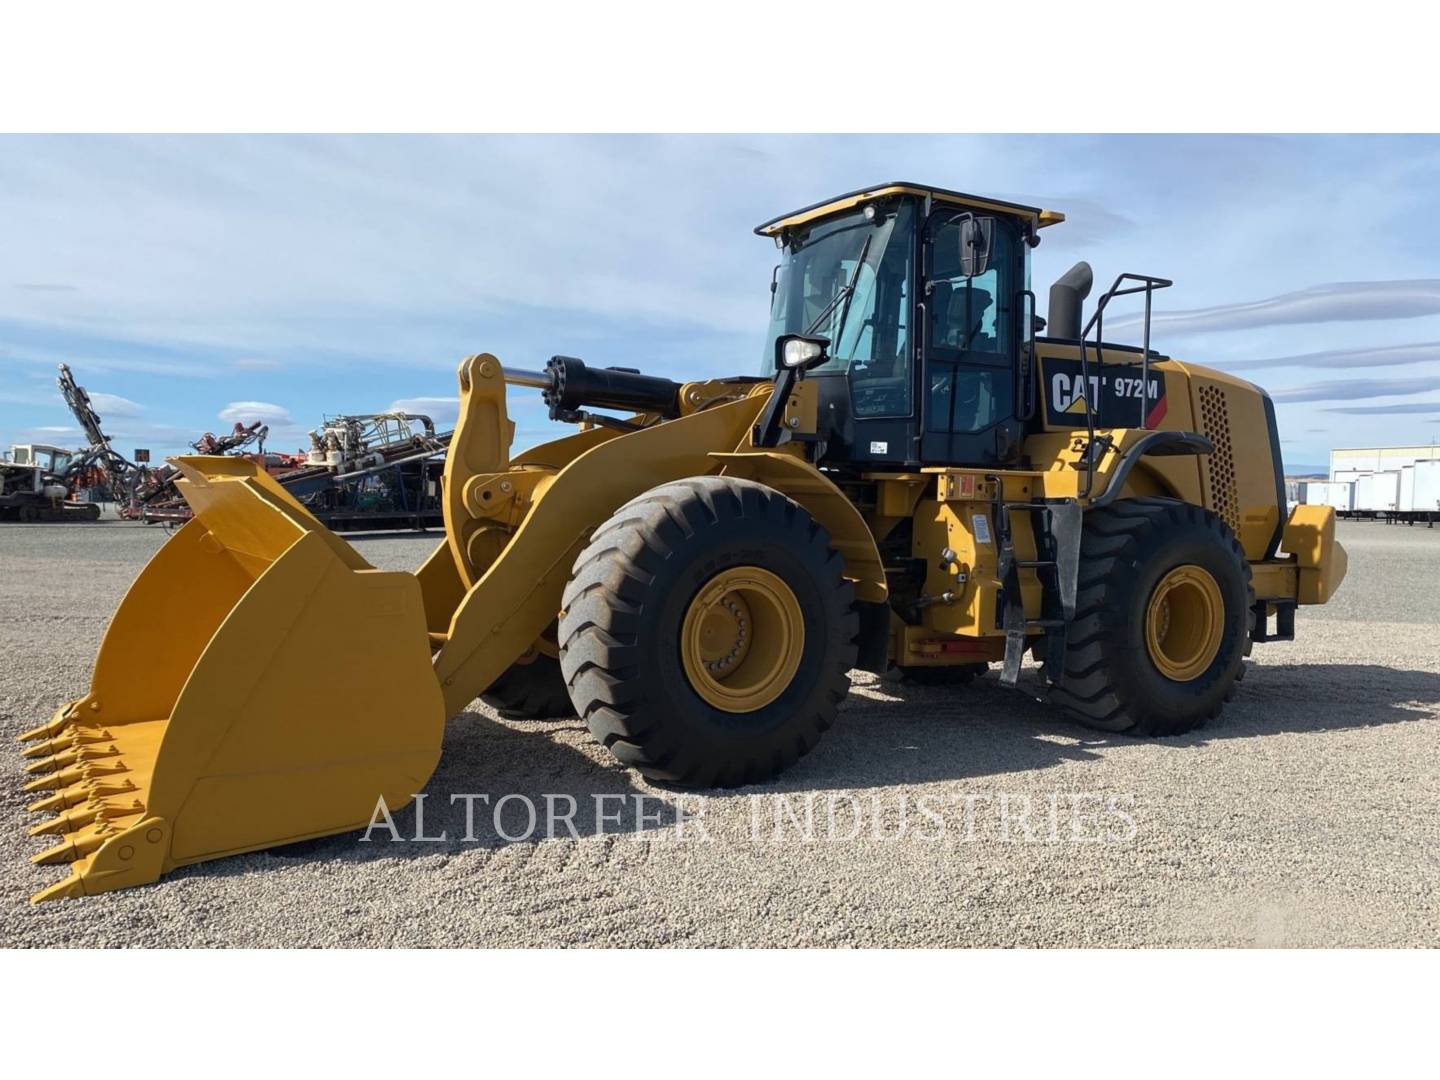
43 447
1038 217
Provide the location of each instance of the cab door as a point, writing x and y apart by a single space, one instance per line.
970 346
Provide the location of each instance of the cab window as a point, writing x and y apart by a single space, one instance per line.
969 381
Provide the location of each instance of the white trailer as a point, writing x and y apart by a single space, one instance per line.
1378 493
1339 494
1405 502
1425 488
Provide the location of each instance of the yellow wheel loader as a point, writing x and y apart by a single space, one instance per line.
919 481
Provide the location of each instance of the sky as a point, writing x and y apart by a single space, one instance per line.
191 282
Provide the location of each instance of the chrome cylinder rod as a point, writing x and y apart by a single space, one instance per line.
540 380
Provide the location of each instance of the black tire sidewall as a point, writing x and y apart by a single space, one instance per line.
530 690
691 566
1136 678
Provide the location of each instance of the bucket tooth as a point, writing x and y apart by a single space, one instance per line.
54 762
68 889
63 799
83 755
70 849
56 781
61 853
72 739
48 747
82 792
52 727
96 810
67 822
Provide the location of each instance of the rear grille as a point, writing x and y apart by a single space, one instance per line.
1220 465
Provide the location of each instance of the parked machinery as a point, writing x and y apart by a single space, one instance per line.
155 496
35 485
120 476
350 443
371 471
919 481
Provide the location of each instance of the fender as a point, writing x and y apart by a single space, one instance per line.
799 480
849 535
1157 444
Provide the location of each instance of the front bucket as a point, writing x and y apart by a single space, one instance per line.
260 684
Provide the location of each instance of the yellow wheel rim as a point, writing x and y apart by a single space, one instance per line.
742 639
1184 623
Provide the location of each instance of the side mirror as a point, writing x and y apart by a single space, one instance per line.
797 352
975 234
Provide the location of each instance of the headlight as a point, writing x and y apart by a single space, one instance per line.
804 353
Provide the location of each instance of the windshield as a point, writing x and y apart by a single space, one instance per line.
848 280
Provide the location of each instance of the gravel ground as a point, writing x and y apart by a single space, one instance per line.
1306 815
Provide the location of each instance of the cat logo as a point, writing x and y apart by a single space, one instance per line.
1068 393
1114 393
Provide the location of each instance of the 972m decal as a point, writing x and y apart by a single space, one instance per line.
1115 394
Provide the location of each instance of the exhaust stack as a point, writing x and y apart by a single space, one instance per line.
1067 299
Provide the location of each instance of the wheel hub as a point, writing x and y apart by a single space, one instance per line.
742 639
1184 623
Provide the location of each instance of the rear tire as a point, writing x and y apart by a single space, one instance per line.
531 691
655 579
1162 619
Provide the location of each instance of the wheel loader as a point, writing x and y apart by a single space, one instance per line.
925 478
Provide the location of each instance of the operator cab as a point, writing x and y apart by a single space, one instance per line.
46 458
923 298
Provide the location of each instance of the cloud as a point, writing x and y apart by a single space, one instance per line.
247 412
45 286
152 435
1404 408
1346 389
114 404
43 345
443 410
255 363
54 430
1376 356
1345 301
25 398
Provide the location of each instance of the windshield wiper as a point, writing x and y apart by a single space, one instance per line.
845 292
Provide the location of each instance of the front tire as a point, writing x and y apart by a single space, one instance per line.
1162 619
707 633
